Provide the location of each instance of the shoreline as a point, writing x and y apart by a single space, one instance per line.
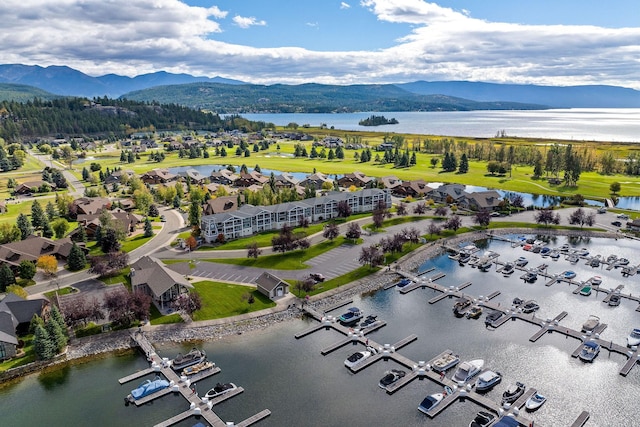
86 349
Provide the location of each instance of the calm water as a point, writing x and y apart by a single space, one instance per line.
303 388
579 124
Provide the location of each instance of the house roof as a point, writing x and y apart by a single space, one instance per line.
222 204
22 309
33 247
390 181
151 272
269 282
7 329
485 199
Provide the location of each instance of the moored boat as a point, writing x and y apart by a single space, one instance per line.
359 356
352 315
530 276
182 361
370 321
534 402
220 389
461 306
589 351
147 388
596 280
474 312
568 274
591 323
493 318
198 367
467 370
487 380
614 300
508 269
586 290
446 361
513 392
391 377
634 338
521 261
530 306
430 402
482 419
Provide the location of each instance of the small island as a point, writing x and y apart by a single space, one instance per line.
377 121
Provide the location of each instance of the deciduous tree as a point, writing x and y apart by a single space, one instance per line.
331 231
48 264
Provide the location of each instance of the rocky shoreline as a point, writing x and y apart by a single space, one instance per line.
89 347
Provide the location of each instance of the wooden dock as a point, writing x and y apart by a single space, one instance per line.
581 420
136 375
177 384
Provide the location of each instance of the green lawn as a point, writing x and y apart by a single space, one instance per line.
336 282
294 260
158 319
29 356
262 239
221 300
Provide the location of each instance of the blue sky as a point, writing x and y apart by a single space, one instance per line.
561 42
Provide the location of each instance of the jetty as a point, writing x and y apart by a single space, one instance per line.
199 407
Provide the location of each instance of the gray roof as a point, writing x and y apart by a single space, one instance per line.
269 282
151 272
7 329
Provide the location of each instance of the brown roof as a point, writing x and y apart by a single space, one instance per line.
151 272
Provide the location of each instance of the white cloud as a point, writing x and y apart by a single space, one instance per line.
246 22
135 37
344 5
312 24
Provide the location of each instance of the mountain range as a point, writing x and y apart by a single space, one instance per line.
215 93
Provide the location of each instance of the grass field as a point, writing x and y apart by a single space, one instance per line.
224 300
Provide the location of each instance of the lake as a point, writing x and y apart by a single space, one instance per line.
579 124
303 388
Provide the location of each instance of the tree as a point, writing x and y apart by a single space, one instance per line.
249 298
51 211
109 241
253 251
188 303
353 231
117 304
453 223
109 264
17 290
380 212
401 209
546 217
24 225
343 208
371 255
464 164
153 210
305 285
43 345
9 233
331 231
195 214
27 269
441 211
148 228
482 218
49 264
47 231
35 322
581 218
60 227
615 187
56 334
420 208
6 277
77 260
434 162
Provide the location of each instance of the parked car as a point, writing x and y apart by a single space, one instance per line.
617 223
317 277
622 216
162 218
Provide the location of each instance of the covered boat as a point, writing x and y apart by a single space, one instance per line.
568 274
181 361
403 282
447 361
586 290
596 280
487 380
589 351
391 377
467 370
146 388
512 393
493 318
352 315
534 402
220 389
530 276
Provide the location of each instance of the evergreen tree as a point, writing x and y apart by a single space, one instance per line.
27 269
51 211
223 152
331 154
77 260
413 160
85 174
314 152
56 335
35 321
24 225
176 202
123 156
38 217
47 231
57 317
148 228
6 277
80 235
153 210
195 214
464 164
43 345
339 153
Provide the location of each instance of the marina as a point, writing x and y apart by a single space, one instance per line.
198 407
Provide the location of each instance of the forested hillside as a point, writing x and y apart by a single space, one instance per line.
105 117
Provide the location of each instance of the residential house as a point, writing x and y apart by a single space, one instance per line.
116 177
31 187
315 181
330 142
158 176
126 220
356 179
285 180
271 286
220 205
150 276
32 248
15 316
91 205
390 182
223 176
414 188
449 193
251 178
193 176
482 200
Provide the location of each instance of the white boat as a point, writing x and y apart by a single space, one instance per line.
182 361
535 401
596 280
487 380
391 377
467 370
220 389
352 315
430 402
513 392
591 323
634 338
521 261
482 419
447 361
359 356
530 306
508 269
589 351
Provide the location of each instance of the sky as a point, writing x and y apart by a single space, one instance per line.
547 42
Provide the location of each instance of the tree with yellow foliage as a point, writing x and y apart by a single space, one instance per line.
48 264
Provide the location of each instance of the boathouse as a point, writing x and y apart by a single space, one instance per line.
271 286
